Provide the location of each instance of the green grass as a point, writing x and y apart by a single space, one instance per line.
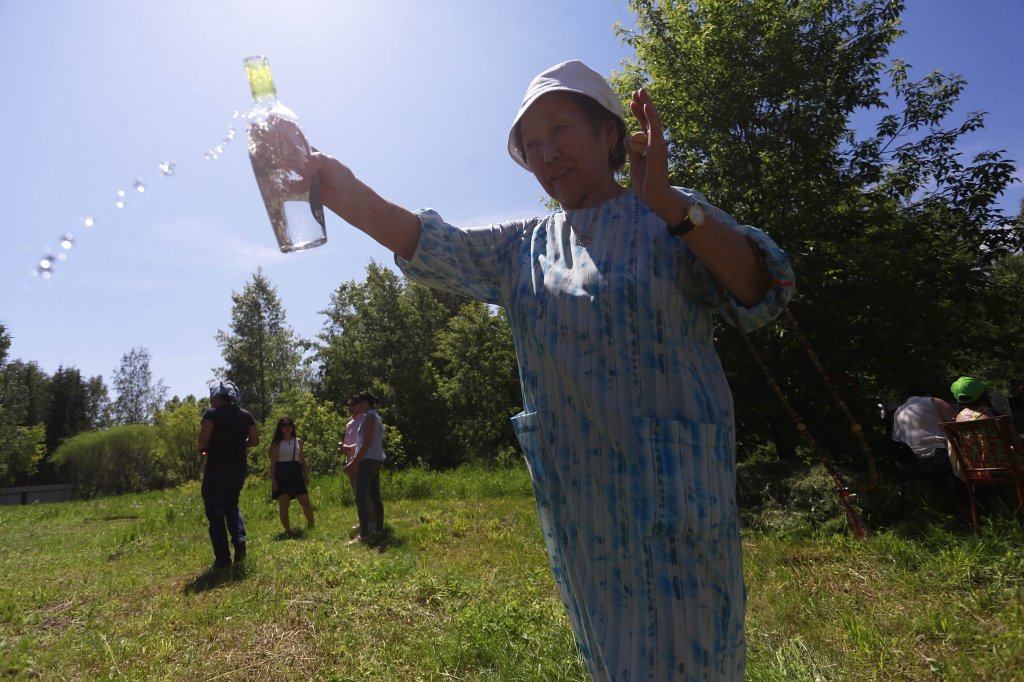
115 588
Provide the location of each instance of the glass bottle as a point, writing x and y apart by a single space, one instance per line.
279 154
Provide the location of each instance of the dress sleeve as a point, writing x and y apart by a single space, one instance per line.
477 262
774 262
781 286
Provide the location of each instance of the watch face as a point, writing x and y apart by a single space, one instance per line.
696 214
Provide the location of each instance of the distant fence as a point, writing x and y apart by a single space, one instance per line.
30 494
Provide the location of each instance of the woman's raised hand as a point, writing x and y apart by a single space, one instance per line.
648 163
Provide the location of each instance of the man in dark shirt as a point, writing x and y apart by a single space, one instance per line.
225 433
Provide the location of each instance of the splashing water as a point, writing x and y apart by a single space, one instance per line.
46 262
44 268
214 153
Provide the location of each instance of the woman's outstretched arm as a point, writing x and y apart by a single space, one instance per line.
394 227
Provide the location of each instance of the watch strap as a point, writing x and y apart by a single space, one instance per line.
683 227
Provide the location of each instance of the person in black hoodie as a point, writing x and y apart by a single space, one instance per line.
225 433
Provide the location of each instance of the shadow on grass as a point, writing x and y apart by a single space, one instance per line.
381 542
213 577
293 534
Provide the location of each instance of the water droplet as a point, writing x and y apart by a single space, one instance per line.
140 186
62 256
231 133
45 273
120 199
88 221
166 167
218 149
235 114
67 241
46 262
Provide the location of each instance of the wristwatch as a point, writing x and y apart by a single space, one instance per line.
692 219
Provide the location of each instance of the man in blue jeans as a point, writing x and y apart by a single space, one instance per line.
225 433
367 462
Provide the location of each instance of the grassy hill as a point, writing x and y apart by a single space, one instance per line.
116 588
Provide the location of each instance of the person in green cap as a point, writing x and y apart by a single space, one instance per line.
973 402
973 396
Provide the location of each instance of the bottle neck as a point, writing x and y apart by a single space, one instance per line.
264 101
261 83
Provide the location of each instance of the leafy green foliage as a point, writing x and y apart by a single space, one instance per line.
67 412
317 423
24 446
477 376
25 391
380 335
118 460
177 426
261 353
892 231
20 451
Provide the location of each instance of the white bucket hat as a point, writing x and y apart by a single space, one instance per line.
571 76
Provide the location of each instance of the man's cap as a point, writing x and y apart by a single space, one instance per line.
571 76
226 389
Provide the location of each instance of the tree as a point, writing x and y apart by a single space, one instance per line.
67 412
21 451
24 390
261 353
478 378
757 99
97 402
138 398
5 343
380 335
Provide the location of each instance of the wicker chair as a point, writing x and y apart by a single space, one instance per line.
989 452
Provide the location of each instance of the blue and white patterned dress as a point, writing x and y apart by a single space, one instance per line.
627 425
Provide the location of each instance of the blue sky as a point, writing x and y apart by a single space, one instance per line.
415 97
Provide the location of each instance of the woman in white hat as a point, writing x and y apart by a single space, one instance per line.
628 420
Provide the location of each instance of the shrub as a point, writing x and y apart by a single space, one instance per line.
318 425
177 428
787 496
118 460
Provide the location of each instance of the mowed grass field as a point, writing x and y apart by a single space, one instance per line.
116 589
